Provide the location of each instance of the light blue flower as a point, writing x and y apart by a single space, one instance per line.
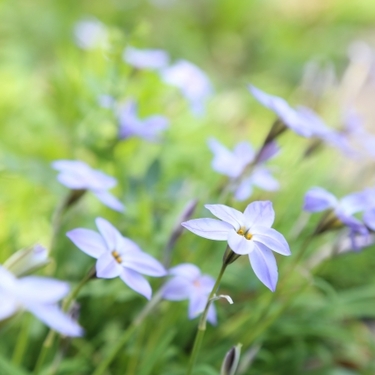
117 256
248 233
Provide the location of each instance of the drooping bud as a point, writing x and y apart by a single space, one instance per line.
231 360
28 260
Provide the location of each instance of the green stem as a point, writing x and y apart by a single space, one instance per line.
21 342
50 338
202 322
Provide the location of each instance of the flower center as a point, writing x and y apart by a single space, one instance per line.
246 234
117 256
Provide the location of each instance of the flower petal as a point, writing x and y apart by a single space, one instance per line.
227 214
186 270
107 267
263 178
143 263
239 244
109 200
197 303
176 289
41 289
264 265
369 218
208 228
259 213
244 189
211 315
224 160
271 239
318 199
90 242
136 281
8 306
53 317
111 235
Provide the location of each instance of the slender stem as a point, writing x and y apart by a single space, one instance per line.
202 322
21 341
50 338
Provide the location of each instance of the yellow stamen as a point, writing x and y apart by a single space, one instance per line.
240 232
117 256
248 236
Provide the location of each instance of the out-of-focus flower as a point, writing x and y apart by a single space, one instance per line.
146 58
90 33
229 163
130 125
233 165
192 81
188 283
38 295
77 175
25 261
283 111
318 199
247 233
117 256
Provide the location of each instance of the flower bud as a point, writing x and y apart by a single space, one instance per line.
27 260
231 360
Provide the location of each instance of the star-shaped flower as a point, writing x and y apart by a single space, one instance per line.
188 283
38 295
117 256
248 233
130 125
77 175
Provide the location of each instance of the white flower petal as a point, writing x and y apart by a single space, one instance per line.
272 239
177 289
41 289
53 317
107 267
186 270
143 263
109 200
259 213
8 306
136 281
227 214
208 228
90 242
111 235
239 244
264 265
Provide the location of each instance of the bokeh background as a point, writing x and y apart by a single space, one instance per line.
313 52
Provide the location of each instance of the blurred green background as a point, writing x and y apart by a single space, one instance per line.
49 110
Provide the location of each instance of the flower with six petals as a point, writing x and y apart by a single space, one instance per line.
117 256
248 233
